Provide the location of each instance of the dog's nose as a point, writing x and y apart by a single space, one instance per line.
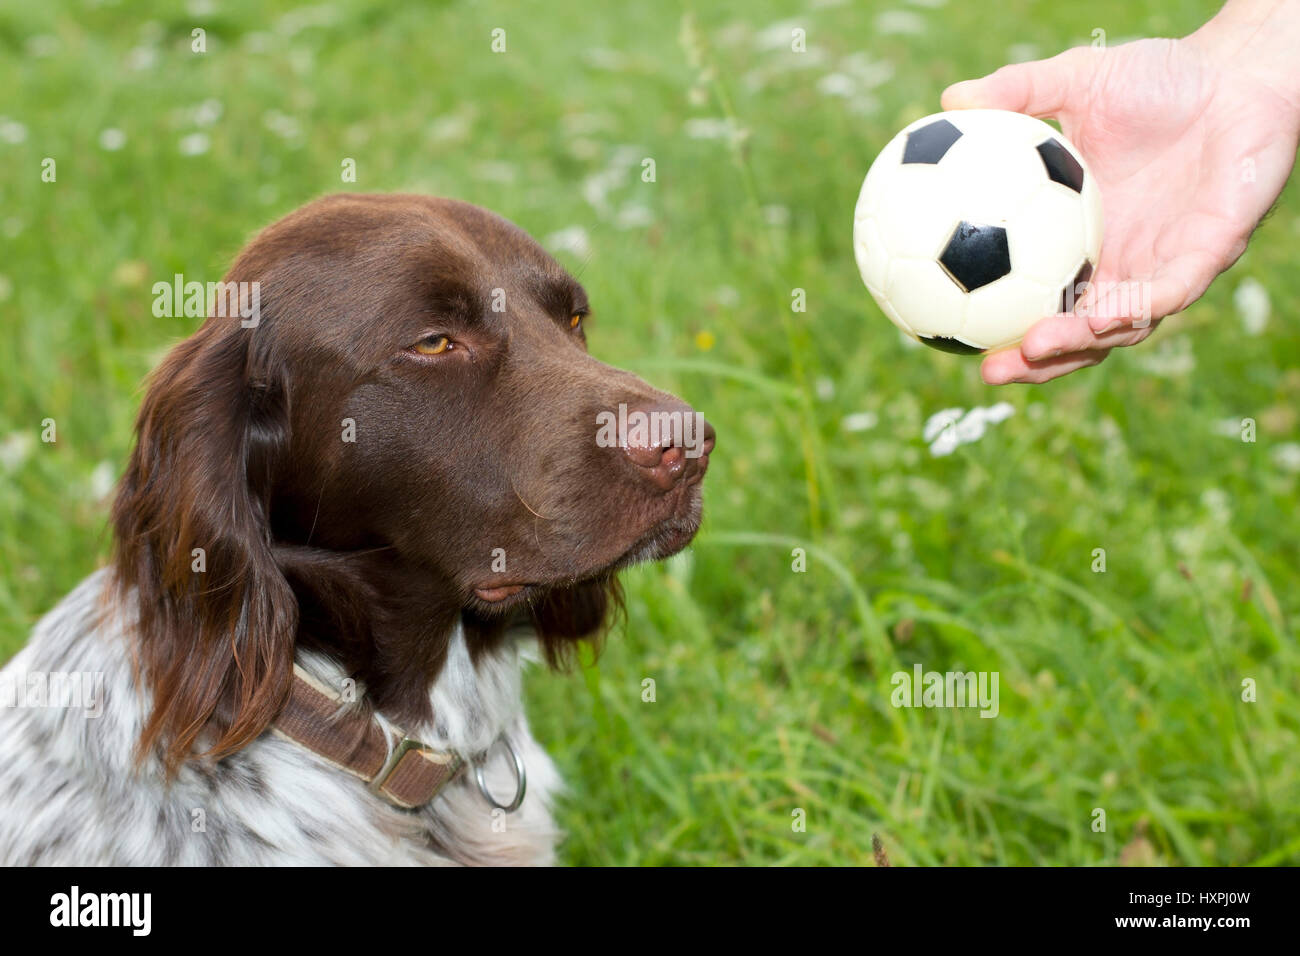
668 443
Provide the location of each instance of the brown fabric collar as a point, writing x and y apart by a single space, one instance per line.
400 769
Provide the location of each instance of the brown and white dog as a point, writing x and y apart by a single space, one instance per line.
370 486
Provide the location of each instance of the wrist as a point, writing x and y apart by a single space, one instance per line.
1257 38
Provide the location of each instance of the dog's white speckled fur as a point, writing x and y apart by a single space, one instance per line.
72 793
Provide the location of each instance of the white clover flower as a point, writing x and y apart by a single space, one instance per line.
1227 427
837 84
12 131
1251 300
573 239
869 73
451 128
1170 359
714 127
14 449
726 296
947 430
900 22
860 421
603 58
194 144
1287 456
1217 504
1022 52
597 187
281 124
259 41
586 124
776 215
634 216
101 481
940 421
496 171
207 112
142 58
778 35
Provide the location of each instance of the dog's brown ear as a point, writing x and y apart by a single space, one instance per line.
193 542
566 616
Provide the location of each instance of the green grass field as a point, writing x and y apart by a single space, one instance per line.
1120 690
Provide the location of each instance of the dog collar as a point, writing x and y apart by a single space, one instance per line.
396 767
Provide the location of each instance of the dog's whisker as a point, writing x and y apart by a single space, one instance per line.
531 509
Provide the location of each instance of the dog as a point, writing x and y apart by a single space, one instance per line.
351 514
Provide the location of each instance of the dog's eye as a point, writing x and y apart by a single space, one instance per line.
575 320
433 345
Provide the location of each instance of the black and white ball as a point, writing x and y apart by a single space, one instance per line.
974 224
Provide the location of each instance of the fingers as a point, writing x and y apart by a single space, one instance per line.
1041 88
1060 335
1137 302
1056 346
1003 368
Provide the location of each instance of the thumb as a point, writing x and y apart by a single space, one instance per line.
1041 88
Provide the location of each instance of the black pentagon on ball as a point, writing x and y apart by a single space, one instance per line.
1061 165
1070 294
956 346
976 255
929 143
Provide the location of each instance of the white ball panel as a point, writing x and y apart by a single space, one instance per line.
875 185
1011 129
1047 237
929 301
991 183
891 313
917 213
996 315
869 250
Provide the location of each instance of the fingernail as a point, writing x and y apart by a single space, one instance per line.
1041 356
1111 326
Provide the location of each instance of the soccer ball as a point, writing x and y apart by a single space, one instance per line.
974 224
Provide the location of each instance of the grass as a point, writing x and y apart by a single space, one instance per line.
1119 690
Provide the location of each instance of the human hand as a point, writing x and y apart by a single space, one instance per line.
1190 141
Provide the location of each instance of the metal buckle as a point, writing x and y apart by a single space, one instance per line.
404 746
521 779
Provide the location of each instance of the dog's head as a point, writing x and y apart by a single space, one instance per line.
389 423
